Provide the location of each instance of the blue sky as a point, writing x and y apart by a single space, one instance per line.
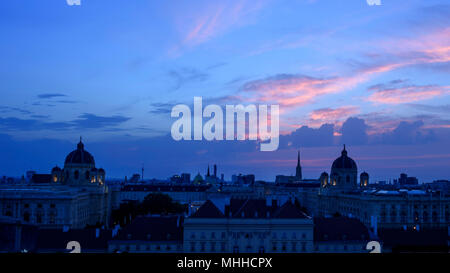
374 77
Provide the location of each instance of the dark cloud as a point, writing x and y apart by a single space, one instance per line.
161 108
40 116
17 124
85 121
66 101
308 137
354 132
50 95
408 133
89 121
444 109
8 109
186 75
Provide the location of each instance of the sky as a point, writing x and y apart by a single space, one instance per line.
373 77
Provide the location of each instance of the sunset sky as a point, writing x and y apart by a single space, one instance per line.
376 78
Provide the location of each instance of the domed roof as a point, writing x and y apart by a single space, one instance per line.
344 162
56 169
79 156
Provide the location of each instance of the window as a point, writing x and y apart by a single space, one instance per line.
235 249
76 174
425 216
39 217
26 217
303 247
435 217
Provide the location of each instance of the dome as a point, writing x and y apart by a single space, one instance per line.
344 162
79 156
56 169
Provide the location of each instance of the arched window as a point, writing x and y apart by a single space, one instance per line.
87 175
76 174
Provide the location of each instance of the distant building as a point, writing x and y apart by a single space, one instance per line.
379 208
405 180
183 193
248 226
135 178
240 179
74 196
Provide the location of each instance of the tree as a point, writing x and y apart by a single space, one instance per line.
158 203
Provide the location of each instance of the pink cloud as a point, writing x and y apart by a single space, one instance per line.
394 94
332 115
213 20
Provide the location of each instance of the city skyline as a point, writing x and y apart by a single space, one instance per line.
372 77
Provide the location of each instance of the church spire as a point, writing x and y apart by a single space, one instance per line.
80 145
298 170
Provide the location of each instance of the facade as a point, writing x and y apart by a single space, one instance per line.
248 226
378 208
73 197
150 234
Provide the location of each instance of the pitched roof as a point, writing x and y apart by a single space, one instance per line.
208 210
289 210
249 208
339 229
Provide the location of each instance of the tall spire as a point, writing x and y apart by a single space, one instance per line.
298 170
80 145
344 151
